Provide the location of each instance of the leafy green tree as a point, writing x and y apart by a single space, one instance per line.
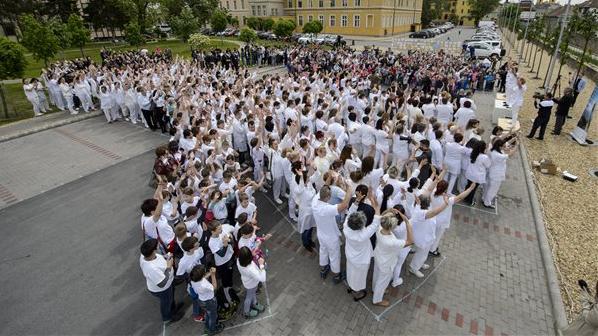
268 24
109 14
141 8
313 27
79 34
587 27
234 21
60 31
184 24
12 65
39 39
284 27
481 8
219 21
133 34
204 9
247 35
198 41
57 8
255 23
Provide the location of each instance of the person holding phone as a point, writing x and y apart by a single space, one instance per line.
203 285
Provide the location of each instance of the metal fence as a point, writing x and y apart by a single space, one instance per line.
425 45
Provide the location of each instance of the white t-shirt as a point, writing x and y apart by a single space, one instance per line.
324 216
153 270
251 275
215 244
250 210
204 289
161 228
188 261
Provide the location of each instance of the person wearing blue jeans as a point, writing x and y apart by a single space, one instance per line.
206 299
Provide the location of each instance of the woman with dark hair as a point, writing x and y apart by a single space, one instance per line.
384 197
500 152
350 161
478 169
251 276
452 159
465 161
371 176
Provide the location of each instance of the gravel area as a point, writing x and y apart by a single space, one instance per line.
570 209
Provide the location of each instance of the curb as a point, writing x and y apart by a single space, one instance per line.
554 291
50 125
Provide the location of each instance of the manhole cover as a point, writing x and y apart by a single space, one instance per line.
594 172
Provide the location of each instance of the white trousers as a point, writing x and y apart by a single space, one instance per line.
70 104
515 113
380 283
462 182
330 254
58 100
420 256
134 111
357 275
36 106
292 206
86 102
439 233
380 158
451 179
279 185
490 191
397 272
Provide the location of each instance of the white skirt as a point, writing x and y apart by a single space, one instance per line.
357 275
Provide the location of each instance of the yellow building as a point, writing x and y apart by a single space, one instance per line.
459 9
358 17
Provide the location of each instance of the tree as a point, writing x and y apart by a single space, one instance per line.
247 35
284 28
60 31
141 7
109 14
79 34
268 24
312 27
218 21
198 41
12 65
234 21
57 8
184 24
39 39
204 9
480 8
133 34
427 13
255 23
587 26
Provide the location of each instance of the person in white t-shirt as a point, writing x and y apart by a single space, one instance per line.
159 274
328 233
252 275
221 244
203 284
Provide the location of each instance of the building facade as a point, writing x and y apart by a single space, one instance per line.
458 12
358 17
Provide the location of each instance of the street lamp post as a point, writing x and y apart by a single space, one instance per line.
557 48
394 10
524 37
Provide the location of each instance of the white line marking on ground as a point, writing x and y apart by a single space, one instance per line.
478 209
250 322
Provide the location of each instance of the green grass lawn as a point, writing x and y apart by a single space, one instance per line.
18 106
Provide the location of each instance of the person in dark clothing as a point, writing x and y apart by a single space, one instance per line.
563 106
426 154
361 193
541 121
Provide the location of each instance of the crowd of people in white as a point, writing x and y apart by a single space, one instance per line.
375 167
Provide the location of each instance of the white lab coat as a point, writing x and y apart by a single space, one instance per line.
358 250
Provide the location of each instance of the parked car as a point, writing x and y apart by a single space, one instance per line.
207 31
163 27
483 49
419 34
306 38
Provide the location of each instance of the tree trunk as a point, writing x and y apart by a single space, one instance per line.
535 52
539 62
3 98
583 55
81 49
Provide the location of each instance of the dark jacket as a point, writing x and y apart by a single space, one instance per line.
564 104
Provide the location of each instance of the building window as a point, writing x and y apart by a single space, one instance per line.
461 10
321 19
253 10
356 20
357 3
259 10
299 3
345 3
310 18
290 3
242 4
227 5
264 10
301 20
235 4
320 3
370 21
332 3
343 21
311 3
332 20
272 11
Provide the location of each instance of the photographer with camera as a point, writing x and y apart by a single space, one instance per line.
544 109
564 104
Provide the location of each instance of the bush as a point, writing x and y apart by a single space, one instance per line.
247 35
198 41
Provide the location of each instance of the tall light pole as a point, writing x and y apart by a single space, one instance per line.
524 37
514 36
557 47
394 10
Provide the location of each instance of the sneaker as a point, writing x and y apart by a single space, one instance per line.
199 318
425 266
278 201
260 308
491 206
398 283
252 313
324 271
338 278
416 273
434 253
